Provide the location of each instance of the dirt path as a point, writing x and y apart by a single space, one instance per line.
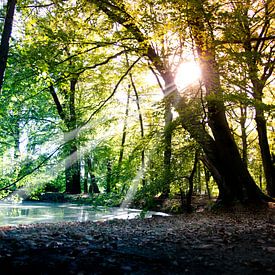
200 243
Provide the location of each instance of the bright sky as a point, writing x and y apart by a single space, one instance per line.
188 73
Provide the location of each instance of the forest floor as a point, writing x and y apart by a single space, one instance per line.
238 242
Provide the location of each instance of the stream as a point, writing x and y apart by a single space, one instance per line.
12 214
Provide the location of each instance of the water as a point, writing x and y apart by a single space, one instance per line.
39 212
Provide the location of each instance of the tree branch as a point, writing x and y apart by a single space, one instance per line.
101 63
112 94
57 103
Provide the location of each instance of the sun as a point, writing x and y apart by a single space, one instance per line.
187 74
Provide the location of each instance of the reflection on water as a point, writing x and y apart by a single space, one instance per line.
38 212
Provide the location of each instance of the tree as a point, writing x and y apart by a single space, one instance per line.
233 178
64 59
77 63
72 164
5 39
248 45
257 53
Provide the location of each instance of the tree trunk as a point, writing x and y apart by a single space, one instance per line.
258 86
16 137
243 118
191 184
109 177
123 139
207 181
167 148
86 175
269 169
191 122
198 187
141 128
5 39
73 184
93 188
72 169
72 164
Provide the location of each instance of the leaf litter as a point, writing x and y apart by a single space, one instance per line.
198 243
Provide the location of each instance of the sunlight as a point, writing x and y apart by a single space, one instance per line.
132 190
52 146
187 74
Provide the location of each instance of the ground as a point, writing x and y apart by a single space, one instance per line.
198 243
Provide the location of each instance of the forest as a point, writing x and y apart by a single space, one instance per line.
174 97
151 104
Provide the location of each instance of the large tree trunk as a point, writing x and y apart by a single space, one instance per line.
190 120
5 39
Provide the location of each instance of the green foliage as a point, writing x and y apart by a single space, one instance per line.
72 40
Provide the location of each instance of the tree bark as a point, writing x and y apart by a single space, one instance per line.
5 39
73 185
269 169
207 181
